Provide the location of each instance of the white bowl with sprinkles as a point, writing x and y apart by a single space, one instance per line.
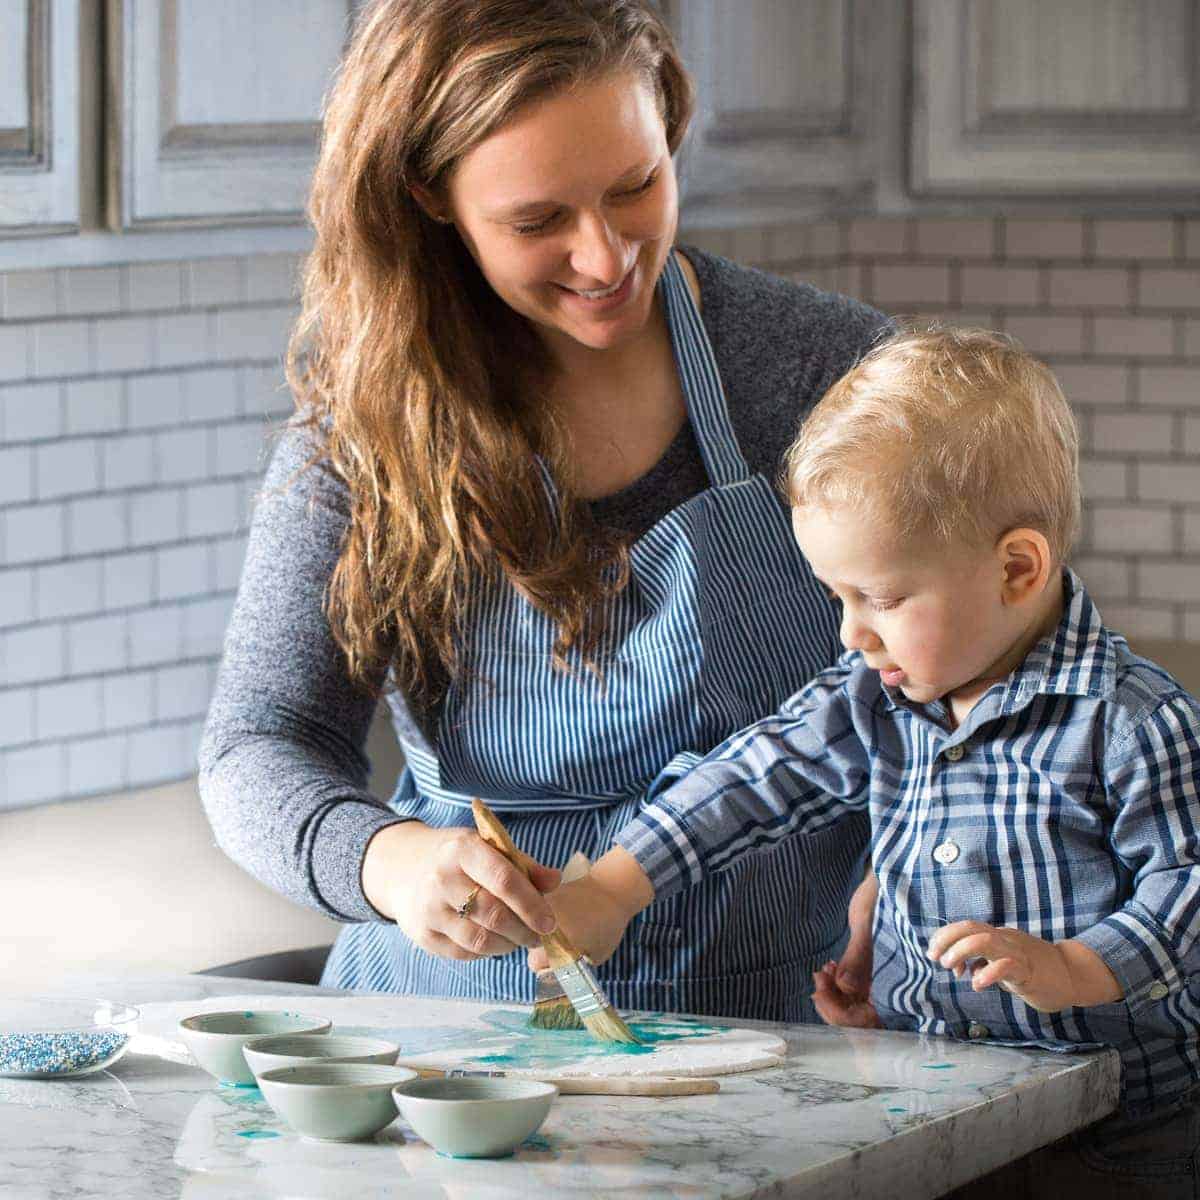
57 1037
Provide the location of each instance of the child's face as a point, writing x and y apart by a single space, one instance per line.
931 621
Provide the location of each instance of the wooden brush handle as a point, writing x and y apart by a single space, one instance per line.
558 949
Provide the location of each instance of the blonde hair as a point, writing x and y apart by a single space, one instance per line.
950 434
425 392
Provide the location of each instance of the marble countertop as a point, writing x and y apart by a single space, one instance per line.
852 1113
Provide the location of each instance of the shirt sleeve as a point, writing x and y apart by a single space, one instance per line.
283 771
796 772
1153 778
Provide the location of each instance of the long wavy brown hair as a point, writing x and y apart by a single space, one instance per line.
426 393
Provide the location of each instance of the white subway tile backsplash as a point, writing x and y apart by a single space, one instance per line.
1141 620
94 405
35 775
157 754
155 285
16 595
183 571
68 589
1168 287
155 517
128 700
31 411
96 764
127 580
1191 537
182 455
1094 385
1105 578
273 277
1191 436
211 281
16 475
1169 387
16 718
258 333
30 294
211 508
1142 239
31 654
1014 287
228 554
1118 530
955 237
91 290
1177 482
1168 581
97 524
1104 479
211 394
127 462
16 360
124 343
67 710
1132 433
204 625
1090 287
156 400
62 348
67 468
1134 337
870 237
183 691
97 644
155 635
1042 238
901 285
32 533
1047 333
182 338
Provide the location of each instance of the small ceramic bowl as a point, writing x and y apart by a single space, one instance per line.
302 1049
335 1102
57 1037
216 1039
475 1118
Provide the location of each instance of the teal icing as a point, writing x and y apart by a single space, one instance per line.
229 1083
938 1066
897 1110
257 1133
508 1041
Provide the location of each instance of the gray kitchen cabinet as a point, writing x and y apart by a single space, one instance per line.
39 127
215 104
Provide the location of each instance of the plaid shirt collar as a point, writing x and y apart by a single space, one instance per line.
1077 659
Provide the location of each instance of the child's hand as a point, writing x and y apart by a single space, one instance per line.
838 1004
1035 970
590 918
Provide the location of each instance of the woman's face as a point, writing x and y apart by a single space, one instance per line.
570 210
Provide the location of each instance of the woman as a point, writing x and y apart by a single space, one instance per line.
529 479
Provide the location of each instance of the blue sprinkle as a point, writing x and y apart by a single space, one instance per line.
938 1066
57 1053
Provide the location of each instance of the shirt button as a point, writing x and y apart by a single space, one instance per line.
976 1030
1157 991
954 753
947 852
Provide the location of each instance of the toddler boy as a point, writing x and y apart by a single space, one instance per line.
1032 784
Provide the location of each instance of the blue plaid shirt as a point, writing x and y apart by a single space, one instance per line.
1065 805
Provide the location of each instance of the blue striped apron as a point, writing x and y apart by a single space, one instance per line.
720 622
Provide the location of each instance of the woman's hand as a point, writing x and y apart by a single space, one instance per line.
419 877
842 990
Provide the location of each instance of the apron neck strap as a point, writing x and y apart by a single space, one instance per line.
702 390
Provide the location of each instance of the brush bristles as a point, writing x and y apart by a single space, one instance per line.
607 1026
558 1013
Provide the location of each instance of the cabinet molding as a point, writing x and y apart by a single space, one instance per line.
215 112
1025 98
39 116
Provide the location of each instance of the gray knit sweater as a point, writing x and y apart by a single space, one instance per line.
282 769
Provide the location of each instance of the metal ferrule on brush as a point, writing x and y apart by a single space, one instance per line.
582 988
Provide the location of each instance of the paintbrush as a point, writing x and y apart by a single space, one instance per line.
591 1085
578 982
552 1008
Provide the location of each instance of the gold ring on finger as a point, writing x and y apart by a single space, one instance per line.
465 907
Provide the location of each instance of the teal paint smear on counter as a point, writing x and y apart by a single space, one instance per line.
258 1133
508 1041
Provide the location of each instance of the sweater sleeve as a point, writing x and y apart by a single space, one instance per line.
283 771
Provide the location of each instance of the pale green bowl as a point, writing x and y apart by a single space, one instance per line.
475 1118
335 1102
216 1039
302 1050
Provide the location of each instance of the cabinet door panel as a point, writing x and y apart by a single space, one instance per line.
1078 97
219 102
39 116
